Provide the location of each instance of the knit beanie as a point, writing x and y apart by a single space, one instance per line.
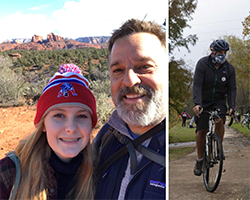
68 87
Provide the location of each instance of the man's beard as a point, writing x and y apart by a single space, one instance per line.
149 112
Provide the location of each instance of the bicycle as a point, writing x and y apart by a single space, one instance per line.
246 121
213 154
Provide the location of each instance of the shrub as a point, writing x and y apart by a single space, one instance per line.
11 84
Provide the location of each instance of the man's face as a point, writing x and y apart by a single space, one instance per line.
219 53
138 74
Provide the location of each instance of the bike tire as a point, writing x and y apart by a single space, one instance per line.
243 123
212 167
248 125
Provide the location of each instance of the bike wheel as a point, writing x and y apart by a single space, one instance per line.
243 123
248 125
213 164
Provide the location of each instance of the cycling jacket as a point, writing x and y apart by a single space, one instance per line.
212 85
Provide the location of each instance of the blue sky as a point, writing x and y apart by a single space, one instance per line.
73 19
213 19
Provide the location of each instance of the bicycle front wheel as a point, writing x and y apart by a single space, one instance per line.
213 164
243 123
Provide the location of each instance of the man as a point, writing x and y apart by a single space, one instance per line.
214 81
138 64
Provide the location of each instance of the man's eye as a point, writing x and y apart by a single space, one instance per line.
146 66
117 70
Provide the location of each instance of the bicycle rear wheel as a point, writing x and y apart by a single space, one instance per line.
213 164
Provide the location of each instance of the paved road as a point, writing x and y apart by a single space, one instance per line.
235 181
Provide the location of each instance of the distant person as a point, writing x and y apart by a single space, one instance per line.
137 66
184 116
56 160
214 82
248 110
237 115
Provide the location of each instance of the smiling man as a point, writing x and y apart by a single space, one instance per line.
138 64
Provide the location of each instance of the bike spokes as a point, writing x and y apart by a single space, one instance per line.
213 163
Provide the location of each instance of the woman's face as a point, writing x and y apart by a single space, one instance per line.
68 130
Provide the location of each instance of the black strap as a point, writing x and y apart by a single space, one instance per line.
121 152
152 155
133 157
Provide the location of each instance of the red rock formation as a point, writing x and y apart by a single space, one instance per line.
37 38
52 37
7 46
31 46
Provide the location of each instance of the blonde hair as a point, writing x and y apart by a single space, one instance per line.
34 154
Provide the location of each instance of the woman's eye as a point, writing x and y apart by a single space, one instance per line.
82 116
59 116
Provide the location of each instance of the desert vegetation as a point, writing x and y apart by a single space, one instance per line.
23 79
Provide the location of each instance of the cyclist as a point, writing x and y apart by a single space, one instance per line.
214 81
184 116
237 115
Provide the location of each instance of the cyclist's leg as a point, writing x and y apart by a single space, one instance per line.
200 142
219 128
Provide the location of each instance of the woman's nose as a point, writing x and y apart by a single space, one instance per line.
70 126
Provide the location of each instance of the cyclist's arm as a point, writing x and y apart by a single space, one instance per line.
197 84
231 89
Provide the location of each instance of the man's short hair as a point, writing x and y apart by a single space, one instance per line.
133 26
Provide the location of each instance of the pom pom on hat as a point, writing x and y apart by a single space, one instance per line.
67 87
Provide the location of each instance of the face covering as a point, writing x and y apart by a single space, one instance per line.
219 59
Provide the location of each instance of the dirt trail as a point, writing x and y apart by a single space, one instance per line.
235 181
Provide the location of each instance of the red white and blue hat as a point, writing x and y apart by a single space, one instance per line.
68 87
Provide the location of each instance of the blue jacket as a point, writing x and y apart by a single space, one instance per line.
149 180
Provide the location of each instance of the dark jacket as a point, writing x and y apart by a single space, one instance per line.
149 180
62 182
211 85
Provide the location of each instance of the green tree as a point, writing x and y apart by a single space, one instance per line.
239 57
180 12
180 78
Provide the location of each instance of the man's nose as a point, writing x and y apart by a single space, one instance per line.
131 78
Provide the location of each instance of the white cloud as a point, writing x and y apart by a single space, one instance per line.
82 18
39 7
97 18
25 26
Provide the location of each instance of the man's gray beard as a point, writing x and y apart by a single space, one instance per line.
151 112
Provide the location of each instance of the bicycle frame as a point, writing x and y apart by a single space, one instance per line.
210 132
213 162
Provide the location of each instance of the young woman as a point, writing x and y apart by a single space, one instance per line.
56 160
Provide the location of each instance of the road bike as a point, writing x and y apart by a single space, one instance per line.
213 154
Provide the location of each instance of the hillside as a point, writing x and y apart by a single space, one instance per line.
54 42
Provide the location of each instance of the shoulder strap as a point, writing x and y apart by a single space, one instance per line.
121 152
152 155
16 160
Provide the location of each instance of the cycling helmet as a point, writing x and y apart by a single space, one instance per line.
219 45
